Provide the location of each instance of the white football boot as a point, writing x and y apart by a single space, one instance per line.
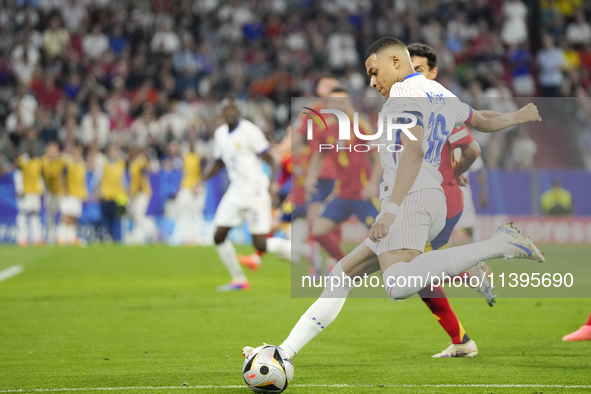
481 271
468 349
516 245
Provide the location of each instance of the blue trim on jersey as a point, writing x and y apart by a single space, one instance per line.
469 117
411 75
263 151
235 127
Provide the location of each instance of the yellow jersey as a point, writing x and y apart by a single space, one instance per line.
76 179
32 169
191 170
138 180
112 180
53 170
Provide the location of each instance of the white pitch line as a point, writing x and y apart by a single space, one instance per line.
11 271
302 385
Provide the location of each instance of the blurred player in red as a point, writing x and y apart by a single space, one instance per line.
357 179
424 61
582 334
328 173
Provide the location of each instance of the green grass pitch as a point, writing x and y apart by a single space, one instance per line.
138 317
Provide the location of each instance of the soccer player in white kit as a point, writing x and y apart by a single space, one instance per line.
412 199
240 145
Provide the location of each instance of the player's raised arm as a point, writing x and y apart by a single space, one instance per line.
491 121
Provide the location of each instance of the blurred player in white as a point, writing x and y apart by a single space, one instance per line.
75 192
240 146
53 168
412 199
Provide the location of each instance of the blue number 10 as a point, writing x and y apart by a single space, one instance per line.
437 137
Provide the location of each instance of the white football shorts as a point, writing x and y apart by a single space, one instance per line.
30 203
235 208
71 206
420 219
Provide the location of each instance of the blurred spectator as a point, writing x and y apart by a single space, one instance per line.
514 30
56 38
520 60
341 50
25 58
95 43
95 126
165 41
73 13
118 42
557 201
551 62
579 32
523 150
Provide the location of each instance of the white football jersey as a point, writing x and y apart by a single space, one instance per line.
438 111
240 150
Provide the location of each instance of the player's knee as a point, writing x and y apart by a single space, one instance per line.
396 284
260 243
219 237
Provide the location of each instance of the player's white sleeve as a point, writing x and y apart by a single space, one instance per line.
463 112
258 142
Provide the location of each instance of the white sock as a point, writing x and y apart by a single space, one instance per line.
320 315
279 246
36 227
227 254
22 228
61 232
416 275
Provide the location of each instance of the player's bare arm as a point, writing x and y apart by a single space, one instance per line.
211 170
408 169
491 121
371 189
470 153
314 168
268 158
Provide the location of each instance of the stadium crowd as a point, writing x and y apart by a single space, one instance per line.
150 74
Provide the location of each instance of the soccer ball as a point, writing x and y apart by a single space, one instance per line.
267 369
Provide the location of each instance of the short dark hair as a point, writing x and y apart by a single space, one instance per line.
422 50
383 43
340 89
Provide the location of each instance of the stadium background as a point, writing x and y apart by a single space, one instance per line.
58 59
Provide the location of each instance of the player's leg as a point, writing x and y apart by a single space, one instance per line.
51 207
22 227
323 226
325 310
325 188
437 302
582 334
35 218
260 220
419 272
229 215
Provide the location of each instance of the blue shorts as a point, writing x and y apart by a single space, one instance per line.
291 212
441 240
340 210
325 187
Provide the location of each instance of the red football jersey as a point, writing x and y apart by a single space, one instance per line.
353 168
460 136
299 170
329 165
